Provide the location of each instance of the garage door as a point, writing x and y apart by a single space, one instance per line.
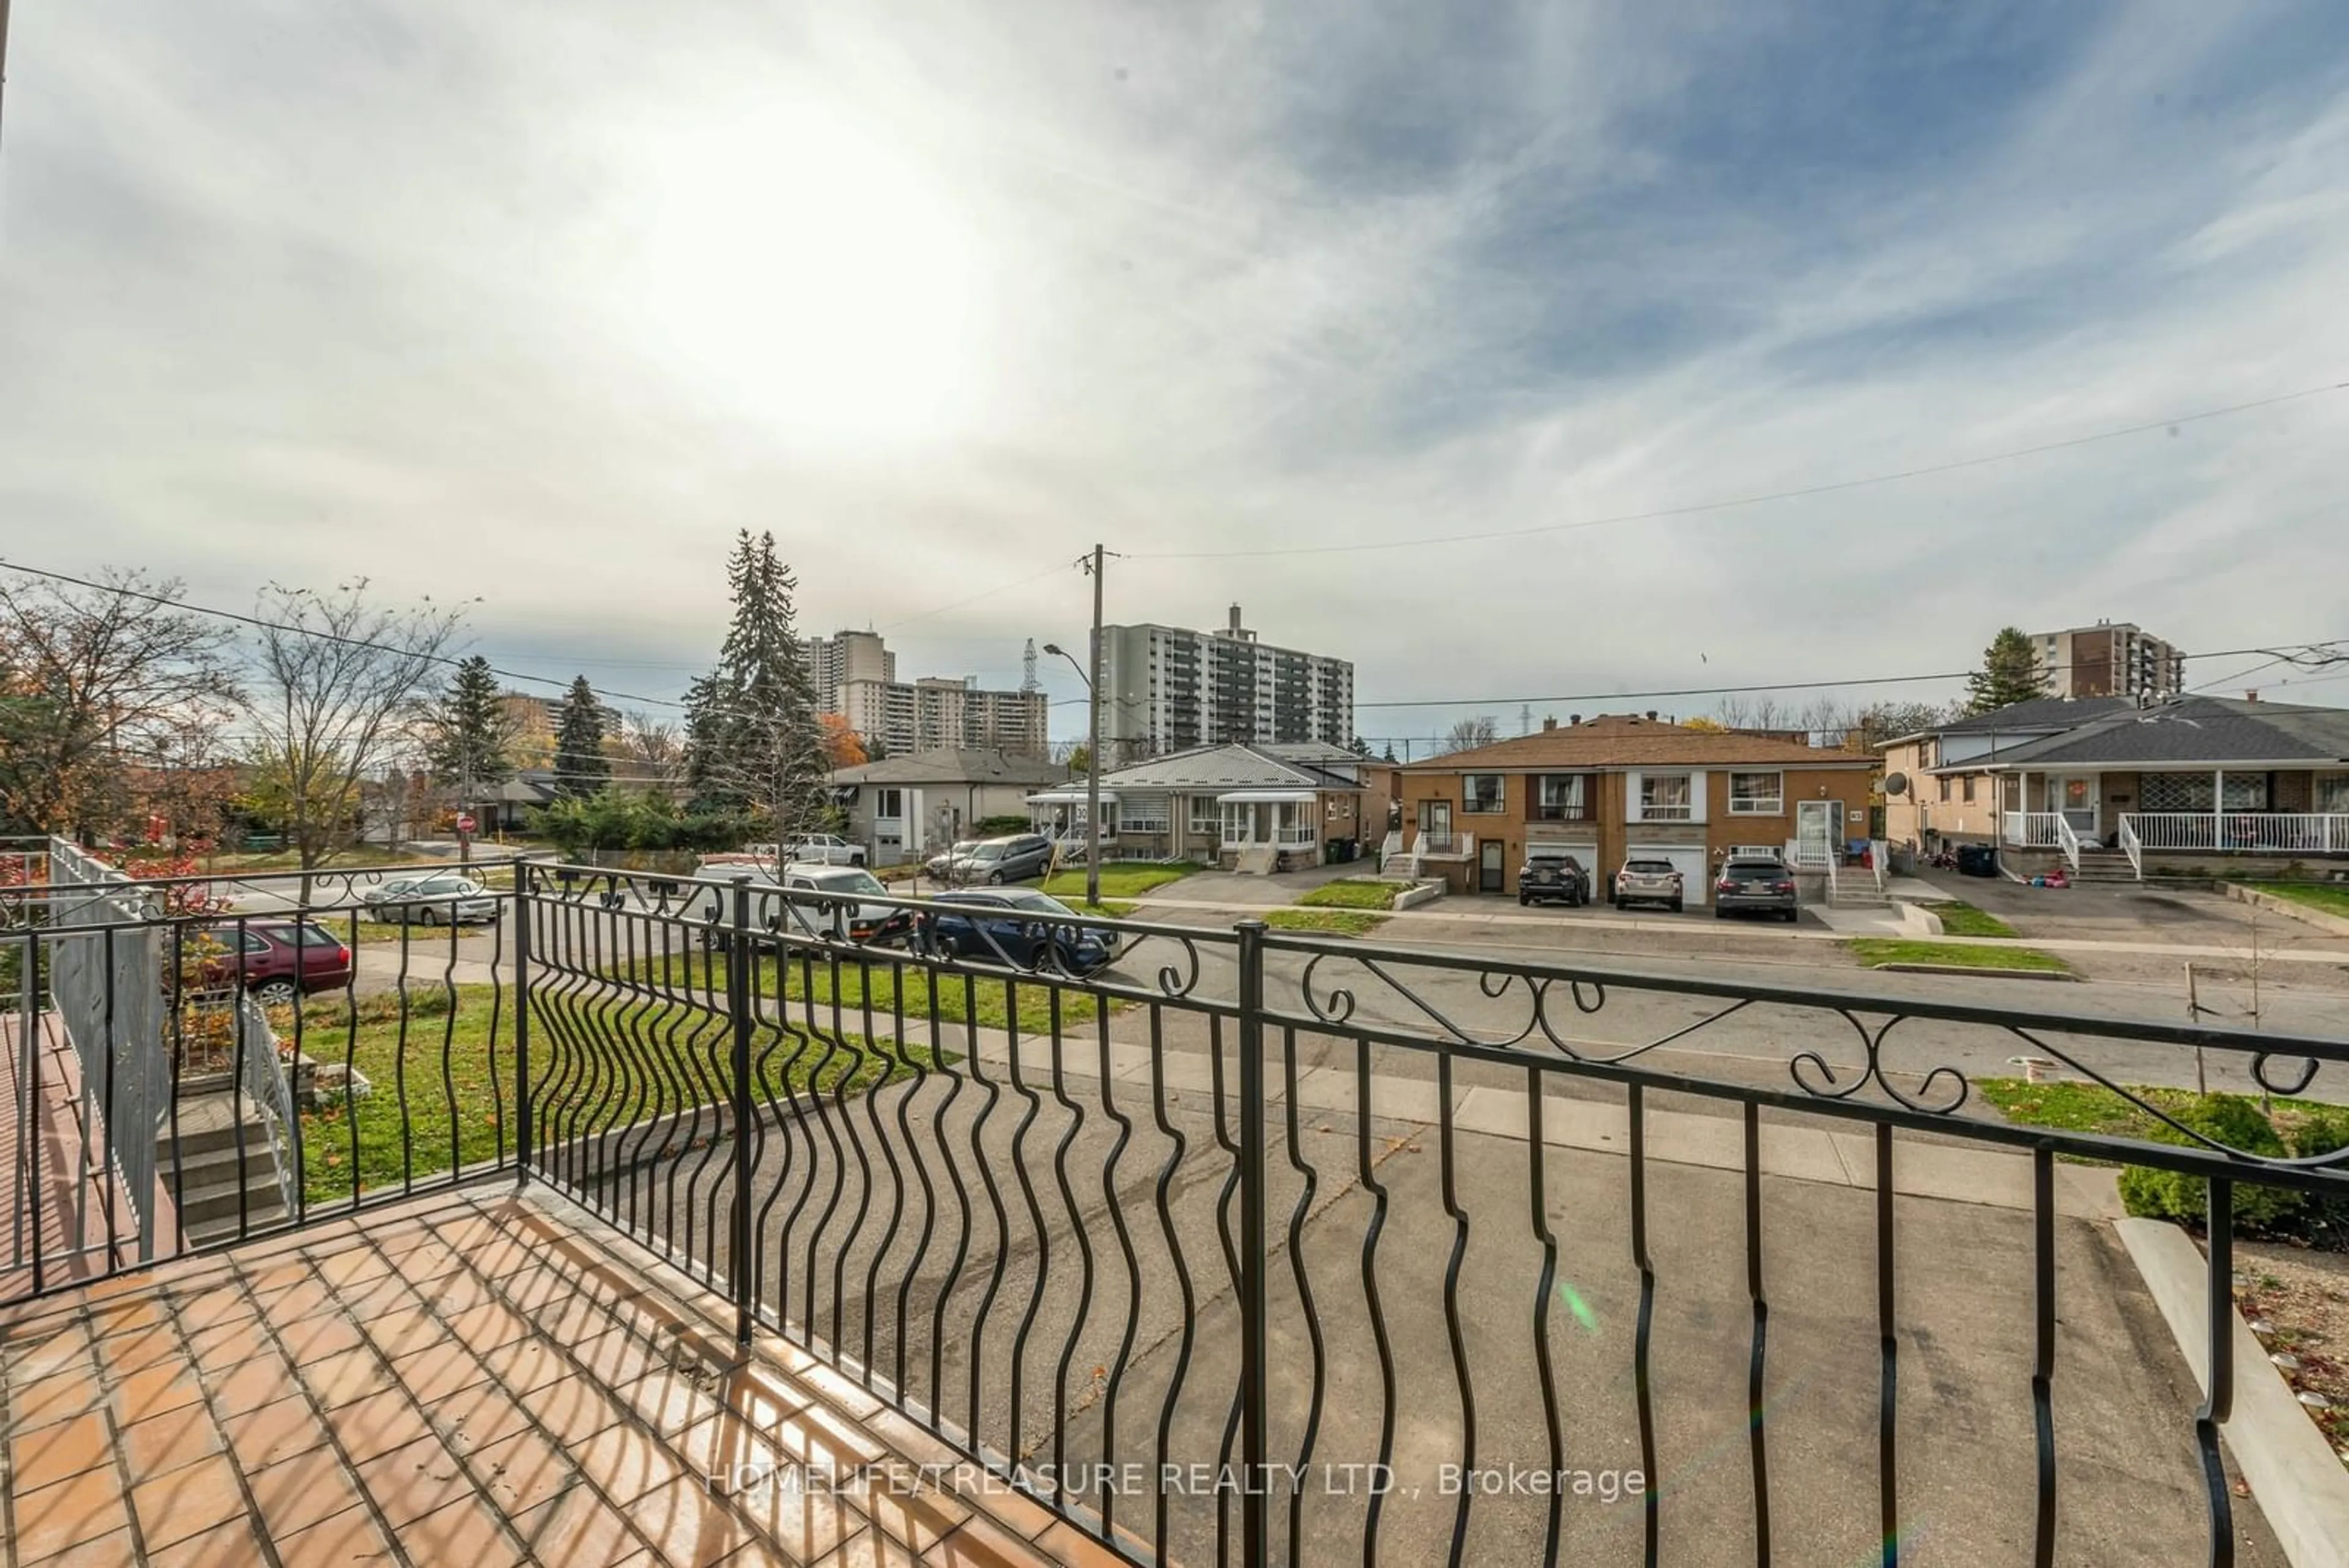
1689 860
1585 851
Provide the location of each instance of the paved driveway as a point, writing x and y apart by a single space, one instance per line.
2108 912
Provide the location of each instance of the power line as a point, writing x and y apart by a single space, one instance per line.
1779 685
1798 493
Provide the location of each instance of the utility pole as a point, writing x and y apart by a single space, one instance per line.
1093 751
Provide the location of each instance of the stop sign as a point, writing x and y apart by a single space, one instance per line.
465 822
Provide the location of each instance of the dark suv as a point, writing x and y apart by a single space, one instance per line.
1763 885
281 960
1547 875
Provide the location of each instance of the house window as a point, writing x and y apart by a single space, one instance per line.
2247 792
1559 797
1143 812
1480 793
1664 798
1945 789
2175 792
2332 793
1757 795
1969 789
1206 817
889 805
1435 824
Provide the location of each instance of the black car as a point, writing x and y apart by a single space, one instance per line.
996 861
1018 926
1548 875
1754 884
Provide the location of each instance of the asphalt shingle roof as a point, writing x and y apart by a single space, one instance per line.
1222 767
2214 729
2038 713
954 765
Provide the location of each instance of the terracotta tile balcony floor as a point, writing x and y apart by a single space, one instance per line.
477 1379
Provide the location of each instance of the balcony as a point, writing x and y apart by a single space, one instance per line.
669 1237
2243 832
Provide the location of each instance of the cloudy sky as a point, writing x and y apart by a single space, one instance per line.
542 302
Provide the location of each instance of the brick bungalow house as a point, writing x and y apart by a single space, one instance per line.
1602 788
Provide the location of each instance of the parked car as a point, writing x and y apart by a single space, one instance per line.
277 960
996 861
941 866
1646 881
432 900
839 911
812 849
1548 875
1020 926
1754 884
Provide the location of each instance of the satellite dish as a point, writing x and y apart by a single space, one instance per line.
1896 784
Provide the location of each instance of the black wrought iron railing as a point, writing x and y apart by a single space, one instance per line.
1264 1246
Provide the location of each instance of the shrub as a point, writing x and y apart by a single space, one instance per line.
2229 1119
999 826
2325 1215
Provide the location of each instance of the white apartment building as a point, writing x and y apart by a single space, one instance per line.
2108 660
844 655
1165 689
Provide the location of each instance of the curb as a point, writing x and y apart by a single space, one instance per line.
1971 970
2300 1484
2321 920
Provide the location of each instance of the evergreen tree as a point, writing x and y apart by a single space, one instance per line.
468 735
580 768
753 744
2009 674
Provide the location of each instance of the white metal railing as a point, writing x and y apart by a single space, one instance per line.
2068 840
2132 847
1879 860
1815 855
1834 880
2243 832
2033 829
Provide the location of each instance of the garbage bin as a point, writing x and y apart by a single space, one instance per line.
1333 851
1977 860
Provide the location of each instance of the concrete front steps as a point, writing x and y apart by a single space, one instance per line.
208 1176
2104 865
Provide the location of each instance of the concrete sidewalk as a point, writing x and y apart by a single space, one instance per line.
1436 916
1985 1176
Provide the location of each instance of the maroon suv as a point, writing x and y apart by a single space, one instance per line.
281 958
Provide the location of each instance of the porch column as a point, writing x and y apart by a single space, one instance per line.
2219 809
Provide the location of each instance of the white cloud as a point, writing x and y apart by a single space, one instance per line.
553 304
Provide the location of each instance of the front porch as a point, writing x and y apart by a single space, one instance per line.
2219 813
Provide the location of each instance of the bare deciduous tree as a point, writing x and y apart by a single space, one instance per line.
96 681
653 749
1467 735
336 681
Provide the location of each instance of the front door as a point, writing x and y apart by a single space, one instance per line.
2074 794
1817 826
1490 862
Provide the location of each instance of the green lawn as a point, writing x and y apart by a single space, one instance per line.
2093 1108
1351 893
1959 919
2331 898
1878 951
459 1112
1124 879
1344 922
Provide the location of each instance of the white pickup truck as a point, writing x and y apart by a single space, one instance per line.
814 850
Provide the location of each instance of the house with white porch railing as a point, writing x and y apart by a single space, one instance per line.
2186 787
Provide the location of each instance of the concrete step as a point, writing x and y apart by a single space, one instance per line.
207 1123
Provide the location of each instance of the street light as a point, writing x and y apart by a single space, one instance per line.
1092 749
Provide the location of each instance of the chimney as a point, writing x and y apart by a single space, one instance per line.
1651 715
1573 718
1550 723
1235 617
2253 695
